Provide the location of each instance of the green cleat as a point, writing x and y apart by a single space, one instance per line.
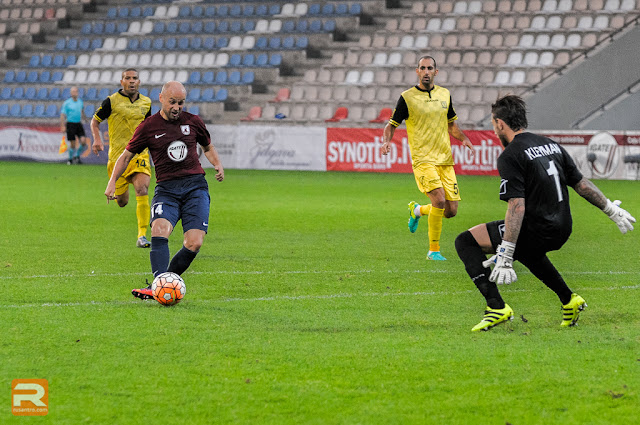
571 310
435 256
493 317
413 219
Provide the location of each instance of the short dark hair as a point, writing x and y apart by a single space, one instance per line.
130 69
512 110
435 65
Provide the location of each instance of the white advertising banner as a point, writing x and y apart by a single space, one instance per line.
270 148
31 144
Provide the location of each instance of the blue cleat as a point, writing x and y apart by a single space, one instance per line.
413 219
435 256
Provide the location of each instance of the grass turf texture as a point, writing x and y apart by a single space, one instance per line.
310 302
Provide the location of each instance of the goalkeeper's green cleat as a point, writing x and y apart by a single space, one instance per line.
571 310
413 219
493 317
435 256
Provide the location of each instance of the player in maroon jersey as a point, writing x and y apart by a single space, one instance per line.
182 192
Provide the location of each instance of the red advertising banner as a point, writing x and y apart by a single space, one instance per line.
358 149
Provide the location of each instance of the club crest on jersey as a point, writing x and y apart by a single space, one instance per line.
444 104
503 186
177 151
186 130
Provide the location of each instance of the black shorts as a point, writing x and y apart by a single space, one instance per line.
185 199
528 245
75 129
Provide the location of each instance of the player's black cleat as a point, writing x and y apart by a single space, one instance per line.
143 293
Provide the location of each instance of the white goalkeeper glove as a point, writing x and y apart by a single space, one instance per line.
503 272
620 216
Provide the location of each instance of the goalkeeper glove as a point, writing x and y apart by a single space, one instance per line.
503 272
619 216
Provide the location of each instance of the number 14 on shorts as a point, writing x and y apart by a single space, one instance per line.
156 209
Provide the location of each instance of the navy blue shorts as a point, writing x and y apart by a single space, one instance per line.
185 199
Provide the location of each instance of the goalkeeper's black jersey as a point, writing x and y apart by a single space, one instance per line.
539 170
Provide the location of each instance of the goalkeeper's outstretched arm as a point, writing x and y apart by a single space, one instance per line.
591 193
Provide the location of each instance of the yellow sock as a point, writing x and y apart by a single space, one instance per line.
143 213
425 209
435 228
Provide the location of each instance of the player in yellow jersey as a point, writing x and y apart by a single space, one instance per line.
428 112
124 110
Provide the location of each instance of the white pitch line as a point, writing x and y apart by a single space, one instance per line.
299 297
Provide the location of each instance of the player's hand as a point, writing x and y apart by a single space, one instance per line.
503 272
97 147
620 216
219 174
469 145
385 148
110 191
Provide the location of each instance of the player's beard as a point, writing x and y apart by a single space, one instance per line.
503 140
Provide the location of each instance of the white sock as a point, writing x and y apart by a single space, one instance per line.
416 211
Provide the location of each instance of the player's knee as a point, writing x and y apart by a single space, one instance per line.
122 202
450 214
193 245
465 240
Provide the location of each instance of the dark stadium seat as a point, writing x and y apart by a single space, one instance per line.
184 27
123 12
355 9
329 26
66 93
341 9
184 12
148 11
122 27
135 12
158 28
222 11
143 91
274 9
197 11
86 28
327 9
314 9
172 27
223 26
235 26
84 44
235 10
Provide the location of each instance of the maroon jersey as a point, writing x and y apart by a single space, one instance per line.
172 144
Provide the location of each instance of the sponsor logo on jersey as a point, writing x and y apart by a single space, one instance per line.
503 186
177 151
186 130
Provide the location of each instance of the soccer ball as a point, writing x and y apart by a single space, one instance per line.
168 288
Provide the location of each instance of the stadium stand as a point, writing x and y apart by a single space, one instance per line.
236 56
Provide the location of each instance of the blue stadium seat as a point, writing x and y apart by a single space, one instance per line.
56 76
54 93
207 95
34 61
288 43
80 92
210 27
103 93
84 44
109 28
133 44
235 60
123 12
315 25
18 93
223 26
38 110
72 44
262 60
222 42
21 76
235 26
274 43
155 92
45 77
91 94
262 10
47 61
184 27
51 111
194 95
143 91
210 11
5 94
194 109
96 43
248 26
158 27
15 110
274 9
170 43
341 9
275 59
27 110
184 12
288 26
248 10
61 44
195 43
122 27
172 27
329 26
314 9
112 13
86 28
99 28
261 43
223 10
208 77
196 27
221 95
194 77
145 44
42 93
59 61
197 11
155 109
302 25
158 44
147 11
302 42
183 43
327 9
66 93
235 10
10 77
135 13
89 110
355 9
248 60
221 77
30 93
4 110
234 77
209 43
32 76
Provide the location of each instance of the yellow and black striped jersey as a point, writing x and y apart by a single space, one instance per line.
427 115
124 116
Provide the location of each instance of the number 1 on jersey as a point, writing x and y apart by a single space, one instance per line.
553 172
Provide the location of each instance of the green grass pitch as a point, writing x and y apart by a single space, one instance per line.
309 303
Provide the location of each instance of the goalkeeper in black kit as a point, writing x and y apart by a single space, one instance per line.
536 173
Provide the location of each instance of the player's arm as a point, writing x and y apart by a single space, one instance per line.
592 194
63 121
212 155
503 272
457 133
400 114
101 114
121 165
